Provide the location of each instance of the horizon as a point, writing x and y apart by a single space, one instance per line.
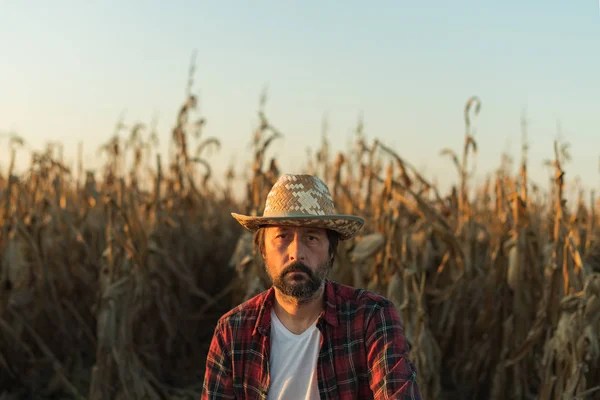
407 71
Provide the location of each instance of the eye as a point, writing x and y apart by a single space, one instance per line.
313 238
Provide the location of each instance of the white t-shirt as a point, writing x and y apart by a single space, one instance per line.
293 362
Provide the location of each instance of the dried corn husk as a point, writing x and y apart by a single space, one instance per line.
427 357
254 287
15 267
367 247
242 252
513 273
592 307
395 290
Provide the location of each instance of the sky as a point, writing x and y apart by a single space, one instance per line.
70 69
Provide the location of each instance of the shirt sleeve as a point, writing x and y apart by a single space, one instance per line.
392 374
218 379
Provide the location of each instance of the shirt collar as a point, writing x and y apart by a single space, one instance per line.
331 315
263 319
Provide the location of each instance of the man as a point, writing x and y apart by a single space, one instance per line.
307 337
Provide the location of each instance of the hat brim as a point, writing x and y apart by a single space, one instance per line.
346 225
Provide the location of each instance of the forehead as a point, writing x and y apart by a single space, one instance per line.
296 229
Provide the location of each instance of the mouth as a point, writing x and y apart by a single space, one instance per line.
297 275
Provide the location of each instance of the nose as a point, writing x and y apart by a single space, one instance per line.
296 250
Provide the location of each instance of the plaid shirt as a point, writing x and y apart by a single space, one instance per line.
363 352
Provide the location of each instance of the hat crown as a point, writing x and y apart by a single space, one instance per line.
299 194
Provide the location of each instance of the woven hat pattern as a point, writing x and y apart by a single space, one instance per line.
294 194
302 200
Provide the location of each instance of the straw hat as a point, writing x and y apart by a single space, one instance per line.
302 200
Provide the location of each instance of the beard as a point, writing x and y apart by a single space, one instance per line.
305 288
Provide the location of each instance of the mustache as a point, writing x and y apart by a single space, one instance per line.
297 266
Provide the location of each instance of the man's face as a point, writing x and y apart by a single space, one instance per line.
297 259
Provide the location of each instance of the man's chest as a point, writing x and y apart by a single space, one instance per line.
332 364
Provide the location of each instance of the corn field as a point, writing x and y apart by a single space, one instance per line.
111 281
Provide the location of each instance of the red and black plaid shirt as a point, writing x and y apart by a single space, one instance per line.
363 352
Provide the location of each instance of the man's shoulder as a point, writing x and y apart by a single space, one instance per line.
353 296
366 308
248 310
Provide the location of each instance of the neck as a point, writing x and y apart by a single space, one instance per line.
298 315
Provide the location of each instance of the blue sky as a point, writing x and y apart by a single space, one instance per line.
71 68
